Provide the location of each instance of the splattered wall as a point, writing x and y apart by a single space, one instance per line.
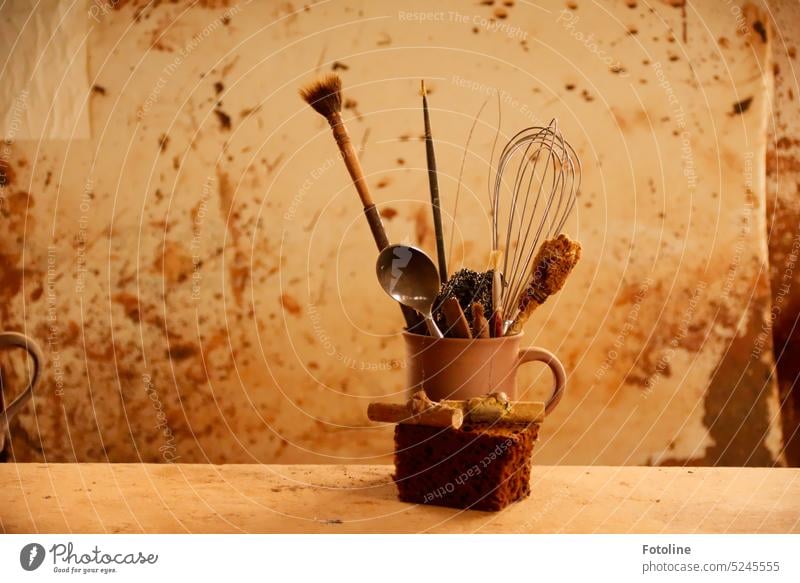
202 280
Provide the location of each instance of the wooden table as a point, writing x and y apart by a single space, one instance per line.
178 498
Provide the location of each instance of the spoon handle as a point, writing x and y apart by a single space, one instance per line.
432 327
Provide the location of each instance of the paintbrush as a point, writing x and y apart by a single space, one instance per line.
433 180
325 96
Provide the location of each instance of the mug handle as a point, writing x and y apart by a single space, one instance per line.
559 374
20 341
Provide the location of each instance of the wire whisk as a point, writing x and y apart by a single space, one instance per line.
540 174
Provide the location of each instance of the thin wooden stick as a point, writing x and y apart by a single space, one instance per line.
433 180
419 410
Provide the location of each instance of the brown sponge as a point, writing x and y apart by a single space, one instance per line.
477 467
552 265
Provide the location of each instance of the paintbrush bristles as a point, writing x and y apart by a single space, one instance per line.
324 95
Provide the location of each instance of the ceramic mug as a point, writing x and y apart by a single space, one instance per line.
7 413
462 368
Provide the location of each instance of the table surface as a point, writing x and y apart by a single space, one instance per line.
178 498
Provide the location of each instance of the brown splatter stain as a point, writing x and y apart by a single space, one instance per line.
736 403
178 352
352 104
224 119
239 265
290 304
98 89
388 213
383 182
423 229
163 142
761 30
226 194
130 305
741 106
500 13
337 66
219 87
7 174
173 262
247 112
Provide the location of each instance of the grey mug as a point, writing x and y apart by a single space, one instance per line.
15 339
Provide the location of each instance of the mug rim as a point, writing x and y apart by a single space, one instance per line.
516 336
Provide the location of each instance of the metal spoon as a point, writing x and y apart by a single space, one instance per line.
410 277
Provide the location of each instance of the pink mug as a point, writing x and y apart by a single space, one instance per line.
18 340
462 368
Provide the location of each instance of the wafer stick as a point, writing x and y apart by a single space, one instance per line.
457 324
437 416
495 407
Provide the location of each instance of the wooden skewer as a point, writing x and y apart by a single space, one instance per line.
457 324
325 96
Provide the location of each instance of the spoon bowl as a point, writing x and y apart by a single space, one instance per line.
409 276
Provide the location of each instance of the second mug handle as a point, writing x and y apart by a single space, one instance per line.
20 341
559 374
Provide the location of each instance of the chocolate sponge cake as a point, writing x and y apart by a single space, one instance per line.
473 454
479 466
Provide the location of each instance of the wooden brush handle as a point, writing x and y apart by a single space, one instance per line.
435 416
357 174
376 226
350 157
